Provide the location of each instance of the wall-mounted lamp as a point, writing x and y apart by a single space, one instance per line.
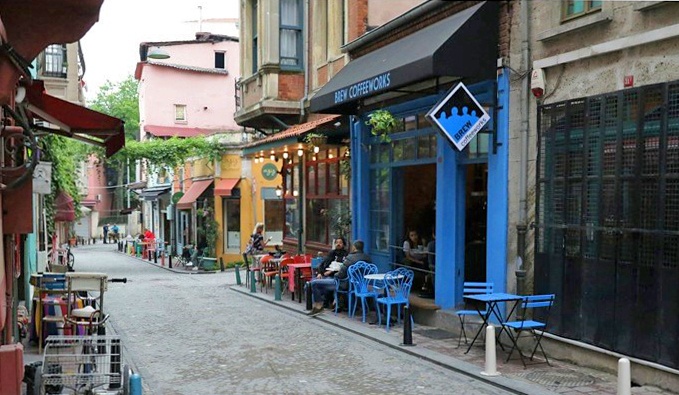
158 53
279 191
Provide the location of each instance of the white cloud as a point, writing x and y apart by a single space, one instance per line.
111 47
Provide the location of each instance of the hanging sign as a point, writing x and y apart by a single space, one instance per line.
459 116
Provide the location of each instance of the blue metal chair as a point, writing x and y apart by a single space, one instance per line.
362 287
397 292
348 292
530 325
472 288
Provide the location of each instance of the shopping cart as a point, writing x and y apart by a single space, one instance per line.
84 365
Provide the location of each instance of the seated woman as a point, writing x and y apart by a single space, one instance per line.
413 249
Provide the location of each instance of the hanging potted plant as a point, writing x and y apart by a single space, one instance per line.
315 139
382 123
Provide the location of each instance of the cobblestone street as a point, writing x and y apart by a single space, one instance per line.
191 334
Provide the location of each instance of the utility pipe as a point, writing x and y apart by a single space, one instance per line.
522 227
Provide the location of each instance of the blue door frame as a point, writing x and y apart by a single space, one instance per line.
450 195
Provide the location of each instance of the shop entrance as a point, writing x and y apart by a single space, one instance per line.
476 219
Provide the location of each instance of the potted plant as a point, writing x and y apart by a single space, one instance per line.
383 122
209 230
72 239
315 139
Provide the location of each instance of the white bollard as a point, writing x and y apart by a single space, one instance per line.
491 363
624 377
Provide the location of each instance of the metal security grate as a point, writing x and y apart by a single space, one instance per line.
607 219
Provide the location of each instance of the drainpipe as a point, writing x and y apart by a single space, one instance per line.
521 227
302 111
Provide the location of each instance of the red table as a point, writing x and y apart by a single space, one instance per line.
295 283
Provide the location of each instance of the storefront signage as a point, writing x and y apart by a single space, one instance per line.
459 116
363 88
269 171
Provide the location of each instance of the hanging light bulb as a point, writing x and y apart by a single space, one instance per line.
300 151
330 155
295 193
285 153
272 156
279 191
313 158
316 149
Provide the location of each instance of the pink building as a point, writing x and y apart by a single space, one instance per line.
186 88
192 92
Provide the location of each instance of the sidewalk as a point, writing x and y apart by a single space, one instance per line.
440 347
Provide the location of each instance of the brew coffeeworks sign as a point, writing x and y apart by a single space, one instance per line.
459 116
363 88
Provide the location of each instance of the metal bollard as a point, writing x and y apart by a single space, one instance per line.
221 264
624 377
491 358
155 256
238 281
135 384
308 295
169 261
407 328
278 285
253 282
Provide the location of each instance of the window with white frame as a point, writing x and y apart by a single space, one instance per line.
180 112
291 33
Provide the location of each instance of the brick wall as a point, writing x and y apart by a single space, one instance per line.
358 19
290 86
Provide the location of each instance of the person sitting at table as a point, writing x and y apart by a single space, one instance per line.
321 287
414 250
337 254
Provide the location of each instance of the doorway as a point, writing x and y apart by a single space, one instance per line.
476 220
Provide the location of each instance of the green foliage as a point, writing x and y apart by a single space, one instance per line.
209 230
172 152
382 123
120 100
66 155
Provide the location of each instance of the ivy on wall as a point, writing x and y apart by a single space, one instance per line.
172 152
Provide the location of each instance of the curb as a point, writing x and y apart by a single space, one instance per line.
506 383
169 269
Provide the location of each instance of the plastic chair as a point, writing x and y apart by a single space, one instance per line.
397 290
360 285
472 288
529 325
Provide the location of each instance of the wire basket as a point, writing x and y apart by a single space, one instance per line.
82 363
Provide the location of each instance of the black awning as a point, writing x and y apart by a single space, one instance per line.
462 45
154 192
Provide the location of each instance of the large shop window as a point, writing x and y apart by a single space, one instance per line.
291 192
327 205
607 213
291 34
231 221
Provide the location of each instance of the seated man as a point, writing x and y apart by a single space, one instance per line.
323 286
337 254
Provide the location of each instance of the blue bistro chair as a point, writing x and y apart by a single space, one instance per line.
472 288
348 291
534 302
397 285
361 286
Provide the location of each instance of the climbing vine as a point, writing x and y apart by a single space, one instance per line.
65 155
172 152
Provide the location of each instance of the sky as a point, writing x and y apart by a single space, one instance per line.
111 46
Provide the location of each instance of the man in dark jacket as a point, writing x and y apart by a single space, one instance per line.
337 254
323 286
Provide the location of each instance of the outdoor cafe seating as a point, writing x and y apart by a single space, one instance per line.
472 288
361 286
530 325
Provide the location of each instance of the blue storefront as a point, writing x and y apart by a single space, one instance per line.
415 179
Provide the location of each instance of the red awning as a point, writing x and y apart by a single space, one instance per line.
75 121
64 207
196 189
224 186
